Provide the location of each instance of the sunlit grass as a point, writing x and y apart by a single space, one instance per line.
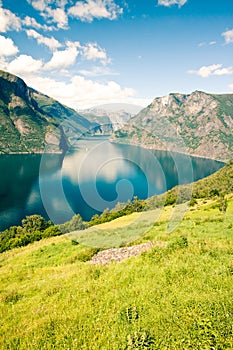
174 297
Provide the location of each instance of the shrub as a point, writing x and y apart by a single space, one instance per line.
87 254
51 231
35 223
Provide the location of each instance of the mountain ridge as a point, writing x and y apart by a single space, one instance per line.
199 124
110 117
32 122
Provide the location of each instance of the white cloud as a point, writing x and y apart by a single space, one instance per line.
97 71
52 43
24 65
214 69
94 52
231 86
90 9
7 47
58 16
172 2
82 93
39 5
52 10
211 43
62 59
31 22
228 36
8 21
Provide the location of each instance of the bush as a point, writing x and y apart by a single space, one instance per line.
35 223
87 254
75 224
35 227
178 242
51 231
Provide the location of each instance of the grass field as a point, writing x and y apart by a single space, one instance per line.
174 297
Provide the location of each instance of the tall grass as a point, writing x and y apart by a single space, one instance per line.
173 297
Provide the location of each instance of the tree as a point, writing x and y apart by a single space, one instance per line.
35 223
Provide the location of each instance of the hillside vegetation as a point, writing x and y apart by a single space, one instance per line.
199 124
217 184
173 297
34 227
31 121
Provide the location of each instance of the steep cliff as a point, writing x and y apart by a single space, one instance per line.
31 121
200 124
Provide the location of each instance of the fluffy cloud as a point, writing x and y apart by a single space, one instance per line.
52 43
62 59
172 2
214 69
39 5
7 47
231 86
90 9
80 92
228 36
24 65
53 10
31 22
8 21
94 52
58 16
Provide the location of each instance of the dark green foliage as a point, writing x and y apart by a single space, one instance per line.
121 209
27 117
140 340
75 224
178 243
33 228
87 254
216 184
35 223
51 231
192 202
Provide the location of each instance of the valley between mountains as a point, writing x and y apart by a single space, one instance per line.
199 124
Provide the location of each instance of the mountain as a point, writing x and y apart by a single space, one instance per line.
108 118
31 121
200 124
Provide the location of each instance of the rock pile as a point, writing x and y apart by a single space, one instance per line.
117 254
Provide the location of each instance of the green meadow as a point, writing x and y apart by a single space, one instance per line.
177 296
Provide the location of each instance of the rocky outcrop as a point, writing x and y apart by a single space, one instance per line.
111 117
118 254
200 124
31 122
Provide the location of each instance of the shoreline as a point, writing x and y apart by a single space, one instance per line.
108 137
225 161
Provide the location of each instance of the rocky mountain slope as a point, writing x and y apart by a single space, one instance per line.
110 117
29 120
200 124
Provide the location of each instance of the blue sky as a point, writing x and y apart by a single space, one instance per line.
87 52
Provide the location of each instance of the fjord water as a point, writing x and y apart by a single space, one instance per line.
86 180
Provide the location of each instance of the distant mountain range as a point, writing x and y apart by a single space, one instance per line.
199 124
31 121
108 118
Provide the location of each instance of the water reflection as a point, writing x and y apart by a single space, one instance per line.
88 179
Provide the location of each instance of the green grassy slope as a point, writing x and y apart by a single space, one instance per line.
219 183
174 297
